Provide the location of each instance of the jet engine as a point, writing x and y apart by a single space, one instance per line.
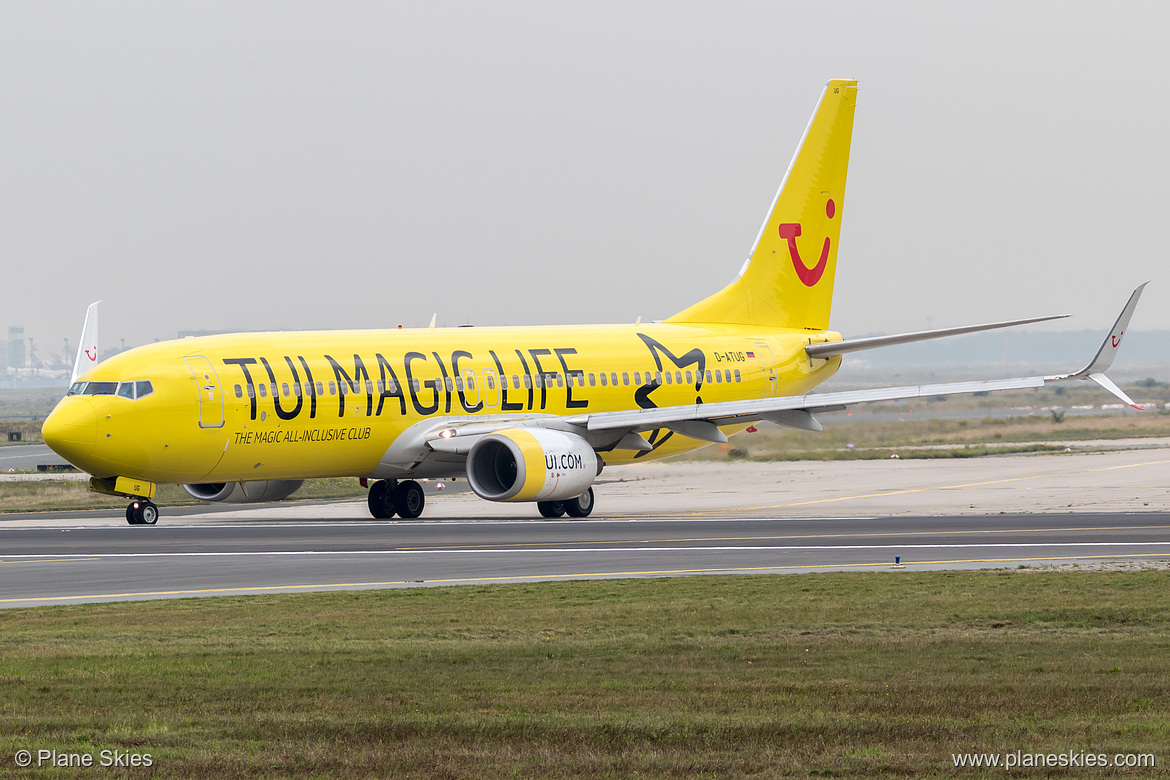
531 464
244 492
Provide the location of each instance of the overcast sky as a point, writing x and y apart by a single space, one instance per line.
292 165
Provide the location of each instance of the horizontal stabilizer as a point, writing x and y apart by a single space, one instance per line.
830 348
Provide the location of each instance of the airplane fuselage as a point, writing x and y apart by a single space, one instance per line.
297 405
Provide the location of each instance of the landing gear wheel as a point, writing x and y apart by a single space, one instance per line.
381 499
141 513
409 499
580 506
551 509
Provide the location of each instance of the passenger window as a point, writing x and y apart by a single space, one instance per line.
718 377
603 380
342 387
126 390
727 375
678 377
447 383
709 380
592 379
470 383
239 392
284 389
527 382
668 377
251 391
263 391
320 388
658 377
297 390
737 375
637 377
538 380
613 378
459 384
332 389
490 382
625 378
414 384
559 383
689 378
515 382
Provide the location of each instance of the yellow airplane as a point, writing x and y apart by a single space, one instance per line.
525 413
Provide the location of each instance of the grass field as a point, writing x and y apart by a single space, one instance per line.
53 494
966 438
851 674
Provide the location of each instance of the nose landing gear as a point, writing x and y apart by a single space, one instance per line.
141 512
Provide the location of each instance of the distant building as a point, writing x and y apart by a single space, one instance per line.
16 357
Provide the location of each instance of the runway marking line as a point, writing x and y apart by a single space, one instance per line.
530 577
875 535
53 560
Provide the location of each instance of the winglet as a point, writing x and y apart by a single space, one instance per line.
87 347
1104 357
1096 368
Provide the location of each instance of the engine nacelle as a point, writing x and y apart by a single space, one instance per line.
531 464
244 492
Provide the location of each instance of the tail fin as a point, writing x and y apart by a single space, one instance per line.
787 281
87 349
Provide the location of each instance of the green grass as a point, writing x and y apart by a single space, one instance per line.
853 674
908 437
61 494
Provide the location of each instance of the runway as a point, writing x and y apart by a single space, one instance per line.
671 520
71 565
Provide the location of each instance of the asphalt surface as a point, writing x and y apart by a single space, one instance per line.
28 456
652 520
69 565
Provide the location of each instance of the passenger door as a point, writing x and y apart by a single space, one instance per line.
210 396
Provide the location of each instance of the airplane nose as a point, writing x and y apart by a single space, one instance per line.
71 430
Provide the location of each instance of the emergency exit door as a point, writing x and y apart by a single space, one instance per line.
210 397
769 366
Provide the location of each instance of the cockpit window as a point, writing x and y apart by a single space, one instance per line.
101 388
128 390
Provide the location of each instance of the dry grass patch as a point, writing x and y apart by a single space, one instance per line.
848 674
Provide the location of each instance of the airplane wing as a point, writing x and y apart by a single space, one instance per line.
621 430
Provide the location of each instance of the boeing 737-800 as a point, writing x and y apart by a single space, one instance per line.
525 413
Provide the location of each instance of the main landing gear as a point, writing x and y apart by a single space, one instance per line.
141 512
389 497
580 506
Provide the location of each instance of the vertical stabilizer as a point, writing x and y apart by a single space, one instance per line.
87 348
787 281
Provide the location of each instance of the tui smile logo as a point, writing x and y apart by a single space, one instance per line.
790 231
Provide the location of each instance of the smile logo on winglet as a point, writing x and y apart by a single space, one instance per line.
790 231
